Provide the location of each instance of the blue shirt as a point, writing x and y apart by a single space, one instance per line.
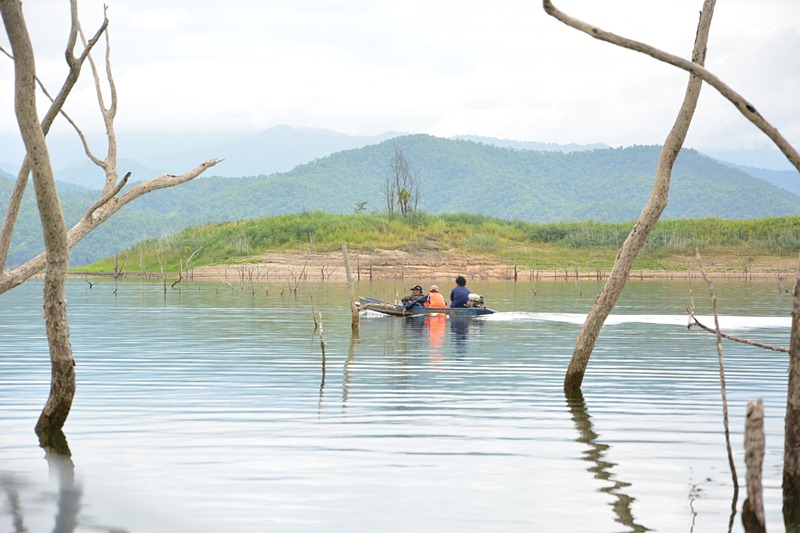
459 296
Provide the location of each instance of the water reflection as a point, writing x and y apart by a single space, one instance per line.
348 371
61 467
203 411
10 488
601 468
68 501
437 328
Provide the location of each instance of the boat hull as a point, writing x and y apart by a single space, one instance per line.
388 308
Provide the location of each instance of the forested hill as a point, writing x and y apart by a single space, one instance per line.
602 185
455 176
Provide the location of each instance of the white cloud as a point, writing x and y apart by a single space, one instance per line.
450 67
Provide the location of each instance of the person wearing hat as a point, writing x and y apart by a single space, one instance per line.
417 298
435 298
416 292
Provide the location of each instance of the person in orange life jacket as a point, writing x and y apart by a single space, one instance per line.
433 299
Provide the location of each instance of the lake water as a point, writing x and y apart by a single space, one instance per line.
211 409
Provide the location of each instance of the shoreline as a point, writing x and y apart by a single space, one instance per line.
293 267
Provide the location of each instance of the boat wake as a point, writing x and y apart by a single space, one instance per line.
726 322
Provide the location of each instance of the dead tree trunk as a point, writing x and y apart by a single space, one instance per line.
655 205
62 380
109 202
753 510
55 259
791 451
351 291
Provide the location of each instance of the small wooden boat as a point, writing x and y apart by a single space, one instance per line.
388 308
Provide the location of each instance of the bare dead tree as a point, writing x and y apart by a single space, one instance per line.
74 68
791 449
389 193
401 188
110 201
189 260
791 465
655 205
118 270
161 266
57 240
62 385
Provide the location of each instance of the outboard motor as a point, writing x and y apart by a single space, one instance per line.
475 300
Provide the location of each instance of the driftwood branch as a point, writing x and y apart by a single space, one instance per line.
699 324
696 69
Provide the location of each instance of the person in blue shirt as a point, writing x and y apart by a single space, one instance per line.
459 296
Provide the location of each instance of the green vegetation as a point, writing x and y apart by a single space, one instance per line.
541 246
609 185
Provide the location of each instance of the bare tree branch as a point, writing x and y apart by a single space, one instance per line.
744 107
109 203
18 192
109 164
15 277
697 323
656 204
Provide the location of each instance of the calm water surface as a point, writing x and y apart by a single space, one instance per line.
212 409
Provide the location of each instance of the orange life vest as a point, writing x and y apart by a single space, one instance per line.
435 299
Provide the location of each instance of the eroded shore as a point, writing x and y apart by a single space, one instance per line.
399 264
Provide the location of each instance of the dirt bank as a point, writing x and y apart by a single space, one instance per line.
440 265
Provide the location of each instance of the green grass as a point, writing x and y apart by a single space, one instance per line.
588 245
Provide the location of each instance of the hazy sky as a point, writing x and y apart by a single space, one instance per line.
499 68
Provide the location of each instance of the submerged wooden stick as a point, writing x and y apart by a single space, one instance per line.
734 477
753 509
351 290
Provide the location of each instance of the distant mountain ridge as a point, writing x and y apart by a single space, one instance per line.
785 179
530 145
277 149
610 185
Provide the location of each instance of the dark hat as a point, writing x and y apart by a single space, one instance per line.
416 288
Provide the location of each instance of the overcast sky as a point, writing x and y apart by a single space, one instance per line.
499 68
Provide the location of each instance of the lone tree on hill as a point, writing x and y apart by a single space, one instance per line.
401 188
57 239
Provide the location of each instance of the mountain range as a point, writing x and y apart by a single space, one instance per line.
478 175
